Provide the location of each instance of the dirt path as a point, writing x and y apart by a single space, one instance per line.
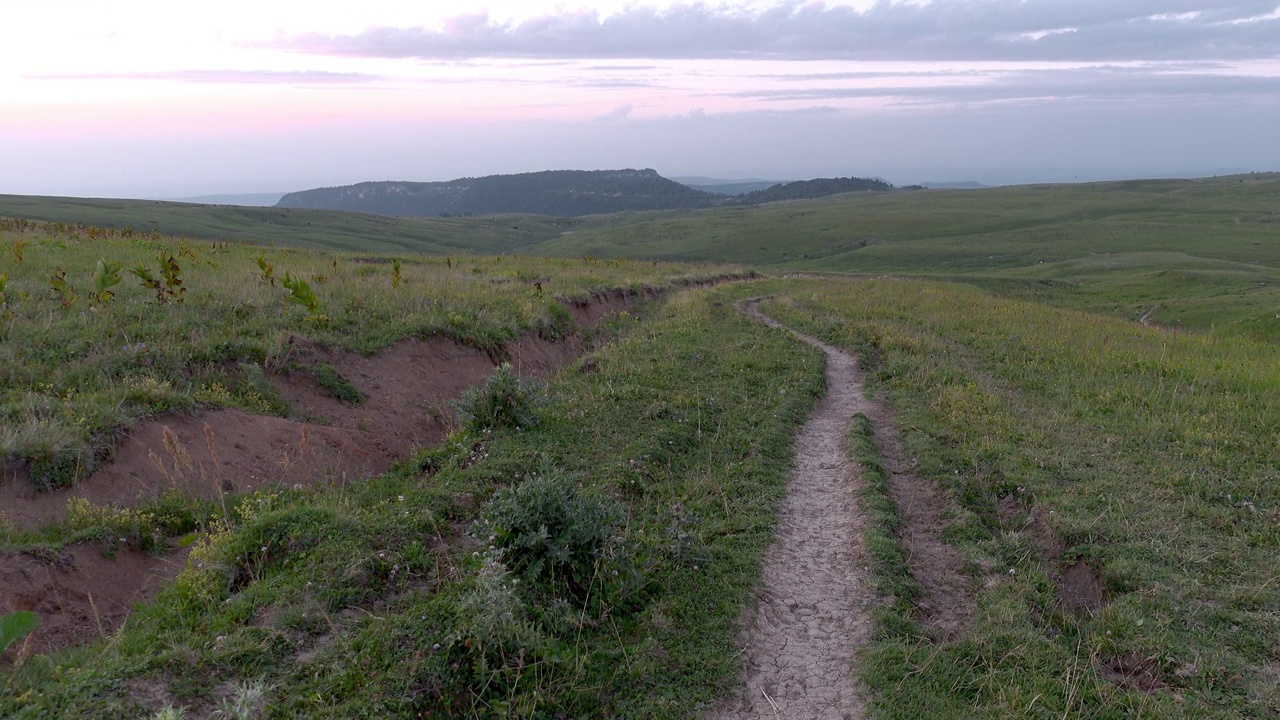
816 592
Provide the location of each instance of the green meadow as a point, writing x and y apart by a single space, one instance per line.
89 347
1088 373
1149 455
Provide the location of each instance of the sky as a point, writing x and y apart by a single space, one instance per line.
154 98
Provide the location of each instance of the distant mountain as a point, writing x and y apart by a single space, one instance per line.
554 192
242 199
726 187
816 188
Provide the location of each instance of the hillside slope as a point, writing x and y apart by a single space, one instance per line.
327 229
554 192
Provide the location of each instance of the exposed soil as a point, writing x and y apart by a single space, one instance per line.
946 602
1145 320
81 593
1133 672
1080 588
206 451
1079 584
812 612
587 312
409 388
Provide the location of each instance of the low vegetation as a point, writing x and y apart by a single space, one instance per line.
1114 491
1087 372
198 324
594 564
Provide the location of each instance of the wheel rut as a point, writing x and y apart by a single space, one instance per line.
813 603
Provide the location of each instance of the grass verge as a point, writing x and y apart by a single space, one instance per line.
1072 444
101 327
386 599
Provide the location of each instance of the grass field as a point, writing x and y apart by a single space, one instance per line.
77 364
287 227
1195 254
1111 485
382 600
1064 438
1202 253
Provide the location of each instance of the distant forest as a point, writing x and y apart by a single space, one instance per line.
554 192
807 189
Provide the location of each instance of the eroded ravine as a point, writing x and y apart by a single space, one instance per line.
813 603
87 590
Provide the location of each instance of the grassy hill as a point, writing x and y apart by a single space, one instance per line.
555 192
290 227
1110 487
1202 253
1196 254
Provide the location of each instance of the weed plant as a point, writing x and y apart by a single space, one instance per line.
336 384
16 625
504 401
550 532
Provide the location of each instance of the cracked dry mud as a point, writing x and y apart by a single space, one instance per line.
812 614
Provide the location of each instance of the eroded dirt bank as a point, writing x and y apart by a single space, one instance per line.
88 590
408 388
814 599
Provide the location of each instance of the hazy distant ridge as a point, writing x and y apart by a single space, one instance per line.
554 192
816 188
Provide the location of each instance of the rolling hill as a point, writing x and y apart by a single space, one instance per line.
555 192
564 193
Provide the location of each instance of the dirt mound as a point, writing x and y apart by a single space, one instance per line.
80 593
1081 587
1079 584
1133 671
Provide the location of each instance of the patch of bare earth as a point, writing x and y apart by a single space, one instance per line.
946 603
1079 584
812 613
409 389
813 606
84 592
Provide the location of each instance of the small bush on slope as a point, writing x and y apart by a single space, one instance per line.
504 401
550 531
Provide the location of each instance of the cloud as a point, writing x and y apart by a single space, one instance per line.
1090 84
225 77
796 29
617 115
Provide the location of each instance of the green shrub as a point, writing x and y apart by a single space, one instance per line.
550 531
505 400
49 472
